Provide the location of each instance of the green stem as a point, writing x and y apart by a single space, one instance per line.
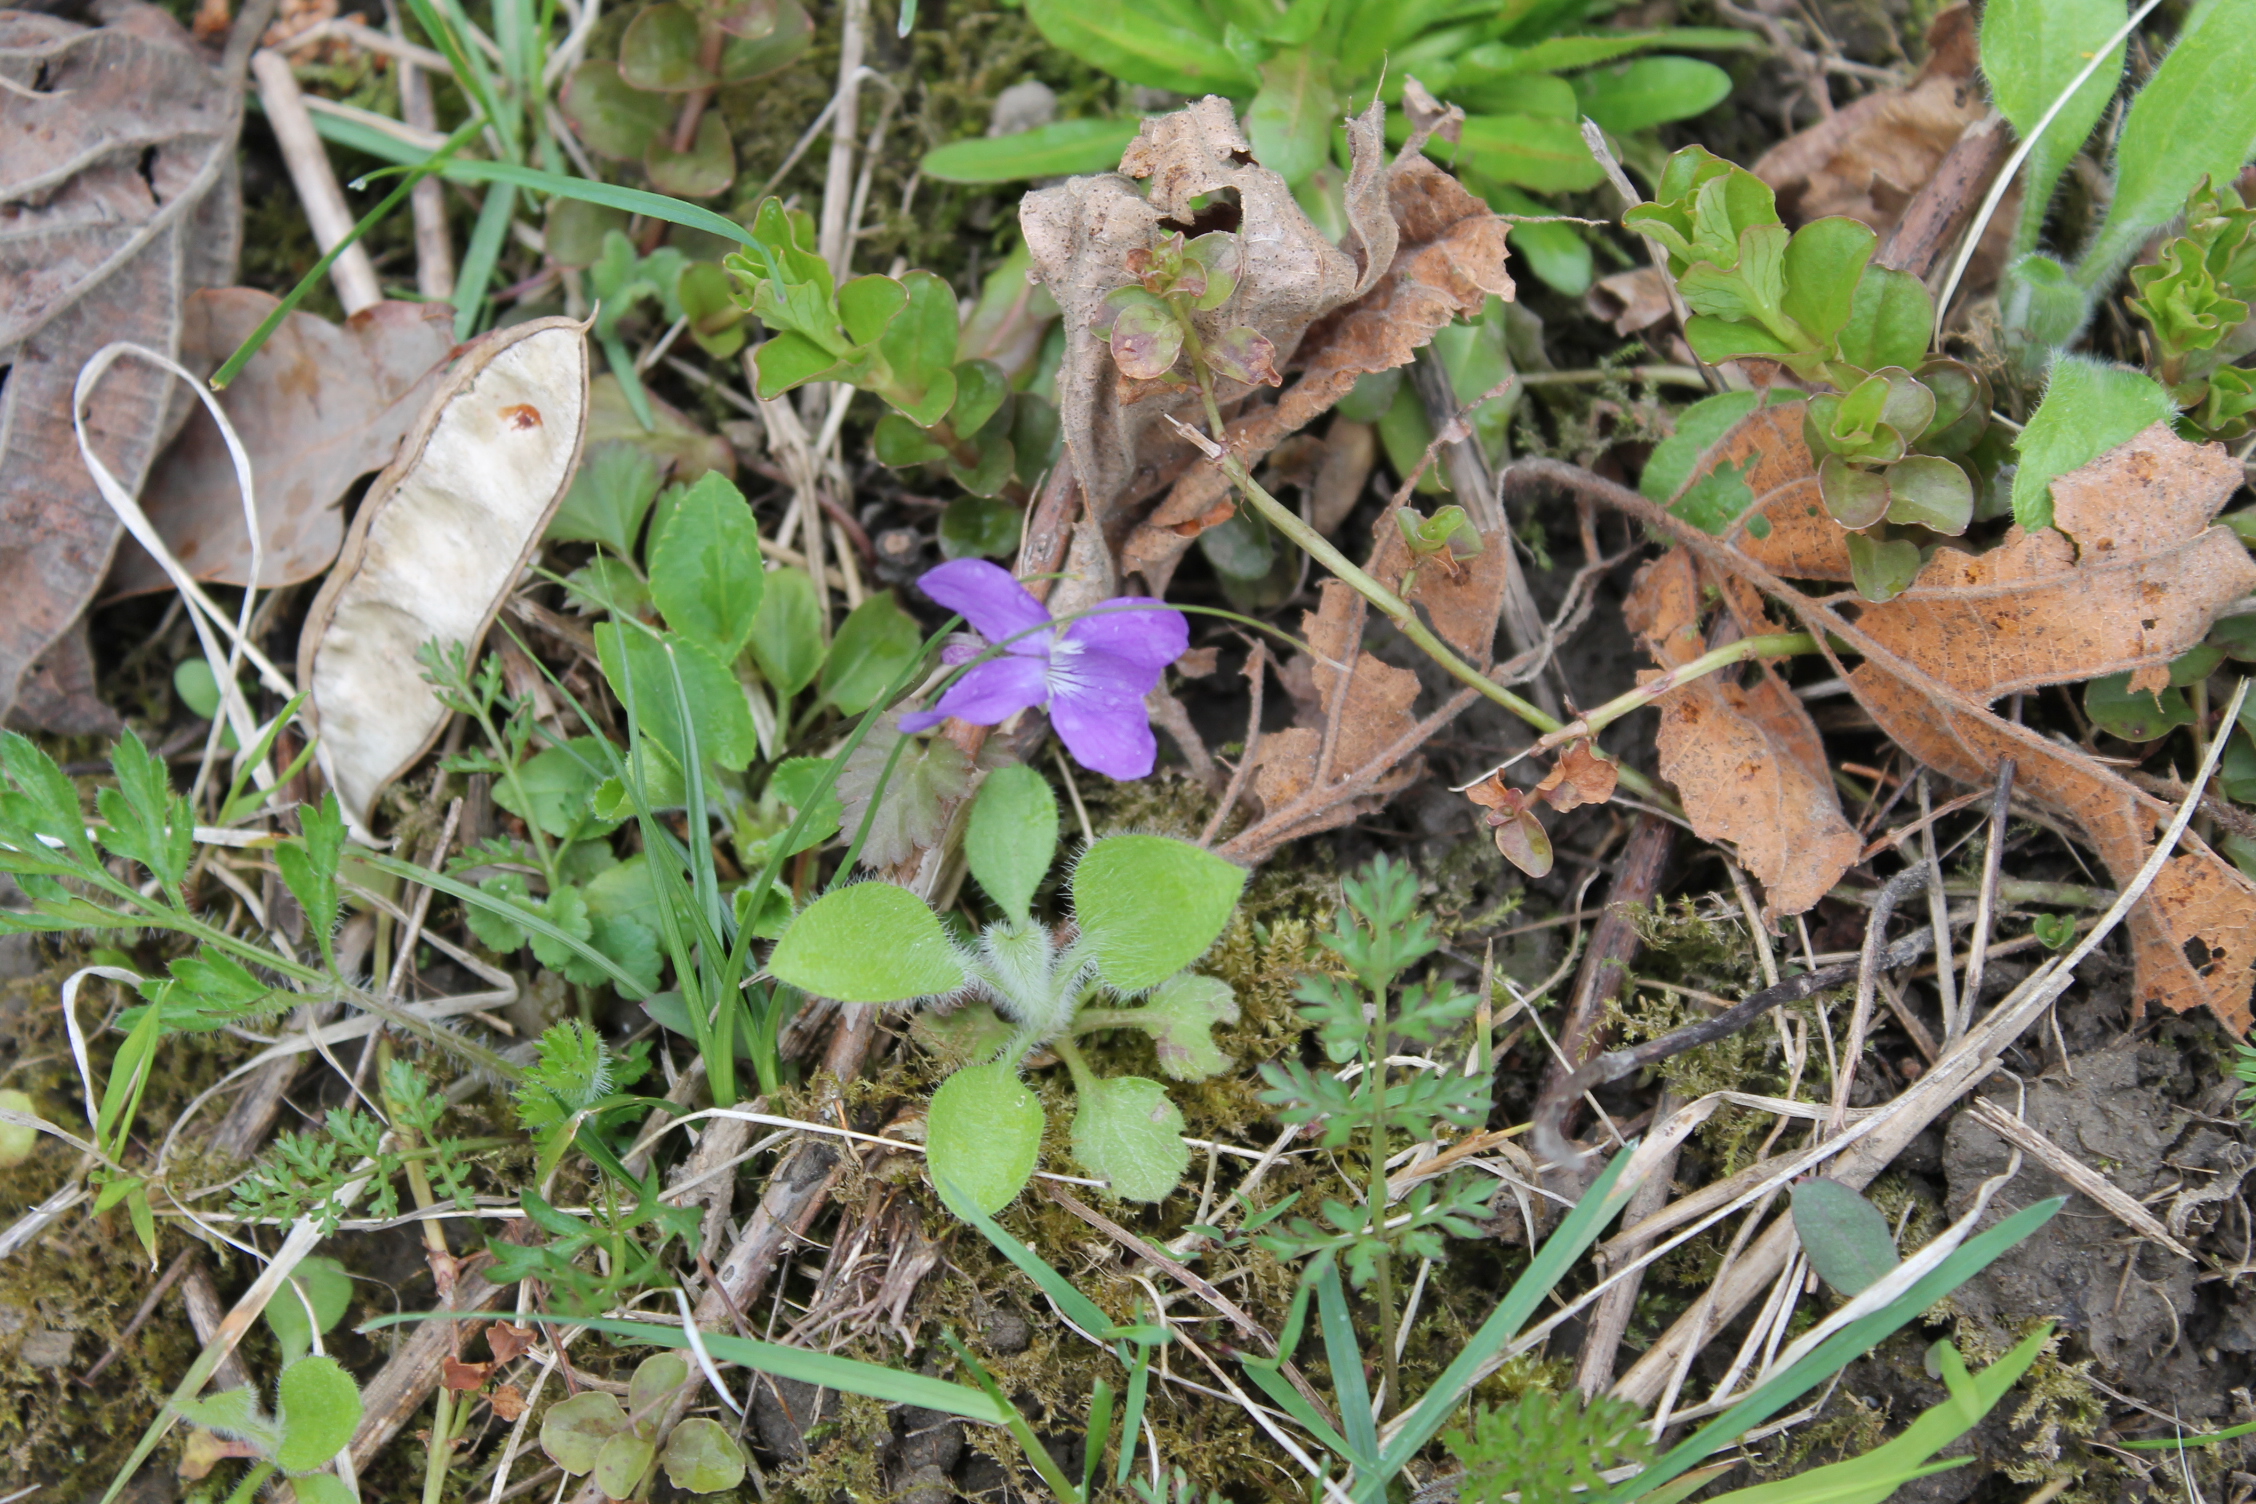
1392 606
253 1480
509 773
1375 1083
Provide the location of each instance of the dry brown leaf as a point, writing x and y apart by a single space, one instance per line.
119 195
508 1341
2132 580
1373 716
508 1403
1447 260
317 408
437 544
1081 232
1746 761
458 1375
1579 777
1867 159
1520 836
1463 603
1631 301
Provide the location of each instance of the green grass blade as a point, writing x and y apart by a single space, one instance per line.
1077 1308
633 200
368 221
1840 1349
1345 1355
1566 1244
823 1370
483 253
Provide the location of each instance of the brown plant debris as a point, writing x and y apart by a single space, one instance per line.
118 187
1746 760
2131 578
1081 234
1447 257
1868 159
317 408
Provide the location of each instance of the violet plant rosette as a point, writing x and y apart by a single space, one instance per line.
1091 673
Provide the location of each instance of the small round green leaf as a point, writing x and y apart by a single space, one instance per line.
613 117
655 1380
1012 836
1151 905
1128 1131
660 52
620 1466
1845 1236
982 1135
702 1458
322 1488
574 1430
319 1406
868 943
324 1281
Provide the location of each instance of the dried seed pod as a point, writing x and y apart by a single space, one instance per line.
439 541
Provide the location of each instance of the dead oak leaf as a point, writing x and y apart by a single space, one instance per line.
1746 760
1510 817
1081 234
1372 707
2132 578
1447 258
119 192
317 408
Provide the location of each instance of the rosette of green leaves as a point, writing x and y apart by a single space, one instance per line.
2196 297
317 1408
1149 322
897 338
629 109
1145 907
1899 442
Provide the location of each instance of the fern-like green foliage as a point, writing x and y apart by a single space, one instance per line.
302 1173
1547 1446
575 1070
1365 1017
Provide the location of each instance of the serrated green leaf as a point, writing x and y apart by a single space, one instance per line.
1126 1130
919 345
1150 905
983 1134
706 574
868 942
719 713
556 784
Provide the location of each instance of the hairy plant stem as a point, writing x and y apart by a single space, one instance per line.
1396 610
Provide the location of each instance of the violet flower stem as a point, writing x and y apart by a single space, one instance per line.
1396 610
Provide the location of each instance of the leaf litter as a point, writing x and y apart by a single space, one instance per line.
2130 577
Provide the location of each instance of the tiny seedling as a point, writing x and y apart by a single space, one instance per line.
317 1408
591 1433
1144 908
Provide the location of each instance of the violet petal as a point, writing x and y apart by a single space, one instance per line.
1135 627
988 694
1112 739
996 605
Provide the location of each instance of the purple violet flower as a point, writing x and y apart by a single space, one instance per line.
1093 673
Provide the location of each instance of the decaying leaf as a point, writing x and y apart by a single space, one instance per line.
1867 159
317 408
1746 760
1370 712
119 195
1081 234
1448 258
2131 578
1579 777
929 781
1520 836
437 544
